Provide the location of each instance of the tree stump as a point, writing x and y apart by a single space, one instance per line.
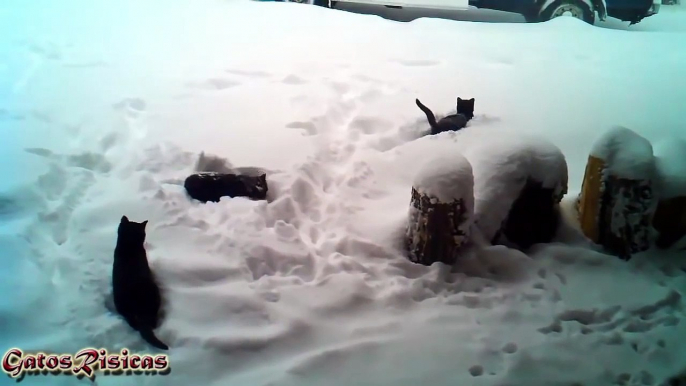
676 380
670 215
518 186
617 200
534 217
212 187
588 202
441 211
670 221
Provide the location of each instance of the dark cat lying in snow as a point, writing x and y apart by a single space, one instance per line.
216 178
454 122
136 294
212 187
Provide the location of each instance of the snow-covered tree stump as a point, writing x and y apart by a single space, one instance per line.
441 211
670 216
519 183
617 200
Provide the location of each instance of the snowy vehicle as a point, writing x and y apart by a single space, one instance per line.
632 11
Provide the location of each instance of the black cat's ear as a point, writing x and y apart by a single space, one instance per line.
263 178
471 100
124 219
144 223
459 99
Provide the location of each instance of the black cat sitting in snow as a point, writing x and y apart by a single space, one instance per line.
136 294
453 122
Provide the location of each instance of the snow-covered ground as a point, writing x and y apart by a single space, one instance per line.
106 105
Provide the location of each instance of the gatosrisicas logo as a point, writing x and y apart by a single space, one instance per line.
84 363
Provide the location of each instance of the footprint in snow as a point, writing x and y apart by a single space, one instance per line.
248 73
417 63
214 84
293 80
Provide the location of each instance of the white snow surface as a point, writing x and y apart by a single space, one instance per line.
671 168
626 153
447 178
113 101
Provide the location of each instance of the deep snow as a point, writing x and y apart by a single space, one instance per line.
113 101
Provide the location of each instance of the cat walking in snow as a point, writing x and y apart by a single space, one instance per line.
453 122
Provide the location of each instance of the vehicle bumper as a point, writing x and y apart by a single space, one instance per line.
654 8
633 15
504 5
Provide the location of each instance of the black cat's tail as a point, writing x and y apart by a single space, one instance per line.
150 337
429 114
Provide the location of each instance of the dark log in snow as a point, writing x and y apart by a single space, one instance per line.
534 217
670 216
441 211
212 186
670 221
676 380
617 200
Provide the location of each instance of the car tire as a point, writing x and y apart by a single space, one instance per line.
577 8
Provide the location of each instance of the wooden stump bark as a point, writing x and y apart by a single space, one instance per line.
435 230
588 203
627 209
441 211
617 200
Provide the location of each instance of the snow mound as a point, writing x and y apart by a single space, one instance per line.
671 169
626 154
447 179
